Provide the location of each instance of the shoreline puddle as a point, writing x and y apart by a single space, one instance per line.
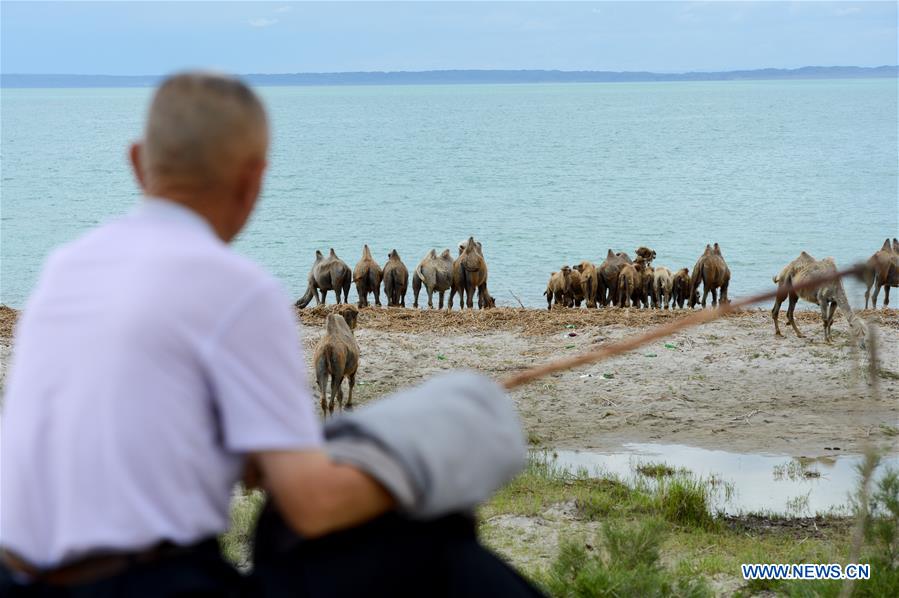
741 482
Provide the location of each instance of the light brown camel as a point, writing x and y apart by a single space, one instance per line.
470 276
661 287
712 271
576 291
558 287
396 280
367 276
436 274
883 271
681 288
630 280
327 273
336 357
589 276
644 285
608 271
829 296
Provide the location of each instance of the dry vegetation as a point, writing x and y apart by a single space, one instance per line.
539 322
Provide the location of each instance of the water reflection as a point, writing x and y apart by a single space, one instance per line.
742 483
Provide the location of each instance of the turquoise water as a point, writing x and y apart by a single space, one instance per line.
542 174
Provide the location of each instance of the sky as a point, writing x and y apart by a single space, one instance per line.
153 38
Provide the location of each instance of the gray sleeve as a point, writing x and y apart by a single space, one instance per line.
441 447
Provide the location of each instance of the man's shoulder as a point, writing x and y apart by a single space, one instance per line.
194 262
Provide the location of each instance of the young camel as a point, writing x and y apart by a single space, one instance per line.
337 356
883 272
661 287
829 296
558 287
590 278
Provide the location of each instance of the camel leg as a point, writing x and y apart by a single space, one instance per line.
335 386
867 294
724 298
825 308
340 394
430 298
886 296
416 289
349 400
775 313
794 299
876 293
714 297
469 296
324 300
449 304
830 317
440 297
322 386
705 294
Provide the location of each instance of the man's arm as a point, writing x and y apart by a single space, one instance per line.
317 496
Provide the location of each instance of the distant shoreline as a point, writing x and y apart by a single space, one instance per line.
463 77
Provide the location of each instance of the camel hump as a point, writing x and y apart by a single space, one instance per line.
717 249
366 252
335 324
446 254
393 255
318 255
331 252
886 245
895 245
433 254
610 254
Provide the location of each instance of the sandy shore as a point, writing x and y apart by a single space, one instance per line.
730 384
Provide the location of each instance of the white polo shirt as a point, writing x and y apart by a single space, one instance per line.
148 361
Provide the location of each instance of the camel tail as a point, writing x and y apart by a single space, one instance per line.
305 299
419 273
623 291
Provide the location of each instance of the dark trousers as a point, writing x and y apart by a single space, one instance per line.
390 556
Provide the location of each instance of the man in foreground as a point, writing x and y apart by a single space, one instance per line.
151 363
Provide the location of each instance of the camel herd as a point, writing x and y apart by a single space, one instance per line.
617 281
622 282
466 275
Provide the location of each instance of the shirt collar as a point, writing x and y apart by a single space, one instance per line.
172 212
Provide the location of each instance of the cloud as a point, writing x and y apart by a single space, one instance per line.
849 10
262 22
284 9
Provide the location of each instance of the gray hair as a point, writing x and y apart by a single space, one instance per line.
199 125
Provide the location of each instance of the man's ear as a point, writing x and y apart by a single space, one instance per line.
250 184
134 155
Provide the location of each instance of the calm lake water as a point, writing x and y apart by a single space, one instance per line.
542 174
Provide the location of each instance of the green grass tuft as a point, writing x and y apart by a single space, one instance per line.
628 565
